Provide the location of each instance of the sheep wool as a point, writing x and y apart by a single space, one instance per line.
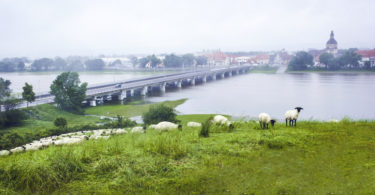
194 124
4 152
137 130
264 117
291 114
17 149
166 126
219 119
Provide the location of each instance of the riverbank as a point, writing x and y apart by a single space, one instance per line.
312 158
334 72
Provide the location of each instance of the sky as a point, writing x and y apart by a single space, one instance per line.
46 28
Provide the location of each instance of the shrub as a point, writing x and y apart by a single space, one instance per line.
159 113
205 129
60 122
11 118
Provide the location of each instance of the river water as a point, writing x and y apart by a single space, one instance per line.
324 96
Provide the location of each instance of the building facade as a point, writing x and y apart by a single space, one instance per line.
331 46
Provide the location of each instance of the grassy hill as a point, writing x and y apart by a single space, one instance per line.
313 158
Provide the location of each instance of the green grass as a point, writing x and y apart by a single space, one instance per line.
134 109
312 158
264 69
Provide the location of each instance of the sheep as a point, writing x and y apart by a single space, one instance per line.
292 116
166 126
33 146
194 124
18 149
119 131
219 119
222 120
264 120
4 153
137 130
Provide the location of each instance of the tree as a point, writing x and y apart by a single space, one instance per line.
96 64
76 65
188 59
153 59
60 122
21 66
350 59
134 61
300 61
28 94
4 89
68 92
201 60
173 61
42 64
326 58
60 64
6 66
159 113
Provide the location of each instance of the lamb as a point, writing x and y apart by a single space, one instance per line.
4 153
292 116
194 124
166 126
264 120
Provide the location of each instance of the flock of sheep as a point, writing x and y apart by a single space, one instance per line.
78 137
291 116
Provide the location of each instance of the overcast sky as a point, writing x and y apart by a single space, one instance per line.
37 28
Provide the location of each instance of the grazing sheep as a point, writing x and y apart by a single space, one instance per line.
4 152
264 120
137 130
194 124
166 126
292 116
119 131
18 149
221 120
33 146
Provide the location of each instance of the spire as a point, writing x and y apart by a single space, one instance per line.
332 35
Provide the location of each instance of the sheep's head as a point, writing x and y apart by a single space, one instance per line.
273 122
179 127
298 109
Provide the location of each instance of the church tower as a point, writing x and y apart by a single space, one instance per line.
331 46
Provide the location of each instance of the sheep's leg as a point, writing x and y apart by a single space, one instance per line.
286 122
260 123
264 125
267 125
290 122
295 122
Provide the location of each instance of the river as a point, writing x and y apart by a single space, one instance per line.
324 96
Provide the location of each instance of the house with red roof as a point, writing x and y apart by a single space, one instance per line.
367 56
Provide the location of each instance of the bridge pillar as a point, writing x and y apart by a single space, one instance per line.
214 77
222 75
93 101
132 92
179 84
122 95
144 91
230 74
162 87
193 81
237 72
204 79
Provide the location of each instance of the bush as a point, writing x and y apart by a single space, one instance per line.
11 118
159 113
10 140
205 129
60 122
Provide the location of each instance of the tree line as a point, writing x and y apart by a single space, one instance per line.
170 61
49 64
348 60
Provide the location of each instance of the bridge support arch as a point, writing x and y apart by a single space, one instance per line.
93 101
162 87
179 84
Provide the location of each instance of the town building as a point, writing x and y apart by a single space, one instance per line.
331 46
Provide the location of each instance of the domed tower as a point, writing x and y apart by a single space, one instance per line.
331 46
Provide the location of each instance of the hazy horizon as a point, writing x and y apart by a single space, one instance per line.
44 28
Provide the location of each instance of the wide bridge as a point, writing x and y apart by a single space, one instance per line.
124 89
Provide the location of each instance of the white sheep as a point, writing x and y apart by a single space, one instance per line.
33 146
292 116
194 124
18 149
137 130
221 120
264 120
119 131
4 152
166 126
